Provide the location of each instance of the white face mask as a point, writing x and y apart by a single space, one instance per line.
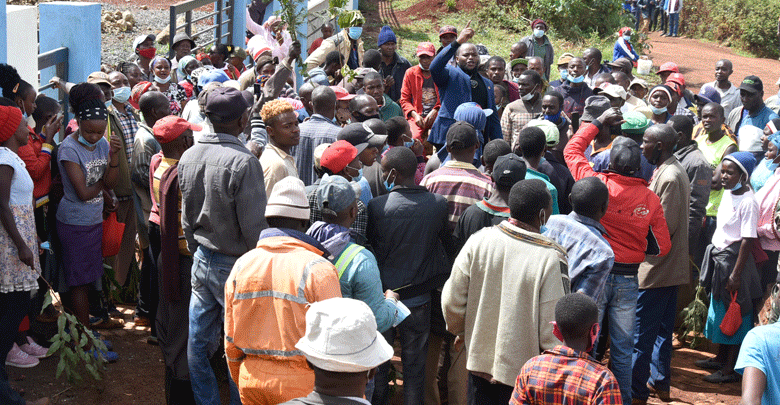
530 95
162 81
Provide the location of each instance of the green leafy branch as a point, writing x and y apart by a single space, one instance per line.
75 344
294 13
694 317
344 18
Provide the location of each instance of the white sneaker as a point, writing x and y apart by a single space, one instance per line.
34 349
17 358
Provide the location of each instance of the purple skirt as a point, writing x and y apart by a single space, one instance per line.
82 252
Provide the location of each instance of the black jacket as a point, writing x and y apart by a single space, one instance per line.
408 230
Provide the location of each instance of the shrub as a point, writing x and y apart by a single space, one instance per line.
749 24
575 20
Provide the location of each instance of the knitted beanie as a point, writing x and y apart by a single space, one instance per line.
386 35
10 117
745 160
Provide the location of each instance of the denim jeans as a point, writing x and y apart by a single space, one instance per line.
210 271
655 313
674 24
618 302
413 333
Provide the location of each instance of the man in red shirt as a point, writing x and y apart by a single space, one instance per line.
327 32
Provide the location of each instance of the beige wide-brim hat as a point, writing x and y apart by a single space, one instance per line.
341 336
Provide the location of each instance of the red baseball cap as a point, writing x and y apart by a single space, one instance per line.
342 93
448 29
338 155
676 78
426 48
169 128
675 87
669 67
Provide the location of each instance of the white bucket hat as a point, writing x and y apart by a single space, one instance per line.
341 336
288 199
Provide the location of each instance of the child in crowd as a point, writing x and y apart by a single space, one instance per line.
89 169
567 374
19 265
729 268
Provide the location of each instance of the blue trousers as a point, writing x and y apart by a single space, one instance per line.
210 271
618 303
674 23
655 313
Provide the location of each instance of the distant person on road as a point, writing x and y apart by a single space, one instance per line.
729 94
672 8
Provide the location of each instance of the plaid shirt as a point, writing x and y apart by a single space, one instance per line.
129 124
359 226
564 376
590 255
516 116
314 132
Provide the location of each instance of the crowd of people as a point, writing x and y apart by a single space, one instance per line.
505 229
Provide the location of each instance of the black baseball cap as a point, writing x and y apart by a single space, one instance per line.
358 133
226 104
625 157
508 170
461 135
752 84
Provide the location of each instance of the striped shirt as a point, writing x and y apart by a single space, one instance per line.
164 165
461 184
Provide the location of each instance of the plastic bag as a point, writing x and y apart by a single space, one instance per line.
732 320
112 235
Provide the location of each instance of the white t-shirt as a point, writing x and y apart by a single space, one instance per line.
737 219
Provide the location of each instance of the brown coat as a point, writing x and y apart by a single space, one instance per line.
670 182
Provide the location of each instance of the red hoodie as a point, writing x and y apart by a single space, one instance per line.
634 214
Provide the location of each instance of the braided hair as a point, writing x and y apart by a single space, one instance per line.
12 84
86 100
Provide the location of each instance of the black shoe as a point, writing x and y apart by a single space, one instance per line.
708 364
719 378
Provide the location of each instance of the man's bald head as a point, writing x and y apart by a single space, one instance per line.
621 79
602 78
663 133
152 100
323 101
536 63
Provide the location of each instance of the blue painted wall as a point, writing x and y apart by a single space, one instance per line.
74 25
3 34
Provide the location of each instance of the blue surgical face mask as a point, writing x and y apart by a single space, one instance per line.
24 113
627 38
538 33
564 74
122 94
355 33
109 103
578 79
737 187
658 111
86 143
389 186
162 81
359 176
553 118
409 144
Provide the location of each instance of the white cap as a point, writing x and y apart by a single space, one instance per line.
288 199
341 336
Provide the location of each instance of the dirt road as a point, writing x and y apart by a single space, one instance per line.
697 62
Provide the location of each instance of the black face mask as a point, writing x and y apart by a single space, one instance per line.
363 118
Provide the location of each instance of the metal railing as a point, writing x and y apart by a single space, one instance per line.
57 58
221 9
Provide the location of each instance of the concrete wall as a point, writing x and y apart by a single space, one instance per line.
239 22
22 49
74 25
2 29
